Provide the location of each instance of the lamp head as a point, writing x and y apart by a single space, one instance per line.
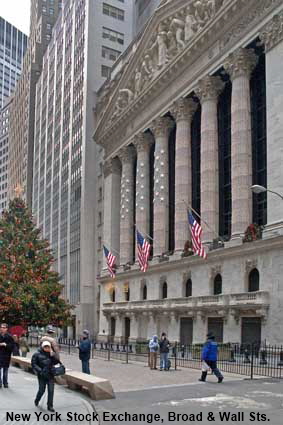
256 188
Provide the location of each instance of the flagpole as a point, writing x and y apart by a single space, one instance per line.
189 207
144 234
111 249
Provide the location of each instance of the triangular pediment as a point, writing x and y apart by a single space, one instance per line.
171 28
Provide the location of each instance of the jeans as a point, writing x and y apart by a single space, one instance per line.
213 365
42 383
5 375
164 360
85 366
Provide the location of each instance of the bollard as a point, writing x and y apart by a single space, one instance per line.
183 351
263 355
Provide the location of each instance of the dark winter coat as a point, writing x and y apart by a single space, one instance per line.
164 345
6 352
84 349
210 351
42 362
16 349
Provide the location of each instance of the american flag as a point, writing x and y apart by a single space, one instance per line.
196 232
110 259
143 251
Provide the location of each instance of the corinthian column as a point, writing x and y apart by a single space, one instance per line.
208 92
240 65
111 217
160 128
143 142
127 156
183 111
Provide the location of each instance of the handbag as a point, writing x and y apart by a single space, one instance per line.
58 370
204 366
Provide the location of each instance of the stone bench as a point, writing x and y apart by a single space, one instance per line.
98 388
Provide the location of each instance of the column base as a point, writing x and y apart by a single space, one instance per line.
102 338
273 230
236 240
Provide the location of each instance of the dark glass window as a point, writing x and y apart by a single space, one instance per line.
172 155
217 287
113 295
258 116
188 288
134 208
195 133
224 149
253 281
144 292
164 290
151 192
127 294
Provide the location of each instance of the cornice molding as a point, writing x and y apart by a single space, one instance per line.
272 33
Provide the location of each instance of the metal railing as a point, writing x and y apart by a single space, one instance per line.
249 360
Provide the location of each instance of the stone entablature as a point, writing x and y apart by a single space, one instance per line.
129 97
246 303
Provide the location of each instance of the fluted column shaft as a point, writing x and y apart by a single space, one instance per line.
143 144
239 65
160 129
183 111
208 92
111 216
127 156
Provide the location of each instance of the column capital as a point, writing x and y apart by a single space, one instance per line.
161 126
272 33
111 166
240 63
183 109
127 154
143 142
209 88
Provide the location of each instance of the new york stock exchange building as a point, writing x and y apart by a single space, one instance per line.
193 116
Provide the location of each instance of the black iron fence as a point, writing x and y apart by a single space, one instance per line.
250 359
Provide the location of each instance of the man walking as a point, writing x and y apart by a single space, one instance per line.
50 332
153 349
209 356
164 345
42 362
84 352
6 348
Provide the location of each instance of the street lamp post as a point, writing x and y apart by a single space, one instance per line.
256 188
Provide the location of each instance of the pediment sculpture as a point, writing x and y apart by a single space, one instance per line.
172 35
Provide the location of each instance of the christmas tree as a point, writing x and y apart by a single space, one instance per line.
30 291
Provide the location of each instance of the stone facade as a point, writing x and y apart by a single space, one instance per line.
184 61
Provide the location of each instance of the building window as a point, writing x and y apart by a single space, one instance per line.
113 295
127 294
116 37
259 151
110 54
196 128
105 71
217 287
51 11
188 288
164 290
172 155
114 12
254 281
144 292
224 149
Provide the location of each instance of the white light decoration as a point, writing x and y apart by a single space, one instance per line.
161 175
142 176
162 163
127 200
127 181
127 190
123 207
162 151
142 197
162 187
157 169
127 210
123 216
142 187
142 208
142 164
156 193
157 181
162 199
157 157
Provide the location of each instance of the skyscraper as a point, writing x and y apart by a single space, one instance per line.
87 39
21 133
13 44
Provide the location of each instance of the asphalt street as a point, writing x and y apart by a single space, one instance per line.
244 402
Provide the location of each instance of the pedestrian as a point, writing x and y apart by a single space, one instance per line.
84 351
6 349
153 349
209 357
42 362
24 347
16 348
164 345
50 333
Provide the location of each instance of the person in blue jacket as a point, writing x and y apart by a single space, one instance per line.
84 352
209 356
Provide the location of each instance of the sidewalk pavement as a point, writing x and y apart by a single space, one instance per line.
137 376
19 399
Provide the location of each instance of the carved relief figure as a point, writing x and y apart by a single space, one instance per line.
190 24
138 82
177 28
160 45
147 68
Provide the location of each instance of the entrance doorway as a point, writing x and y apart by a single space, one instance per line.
251 330
215 326
127 328
112 328
186 330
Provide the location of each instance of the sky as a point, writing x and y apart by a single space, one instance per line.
17 12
